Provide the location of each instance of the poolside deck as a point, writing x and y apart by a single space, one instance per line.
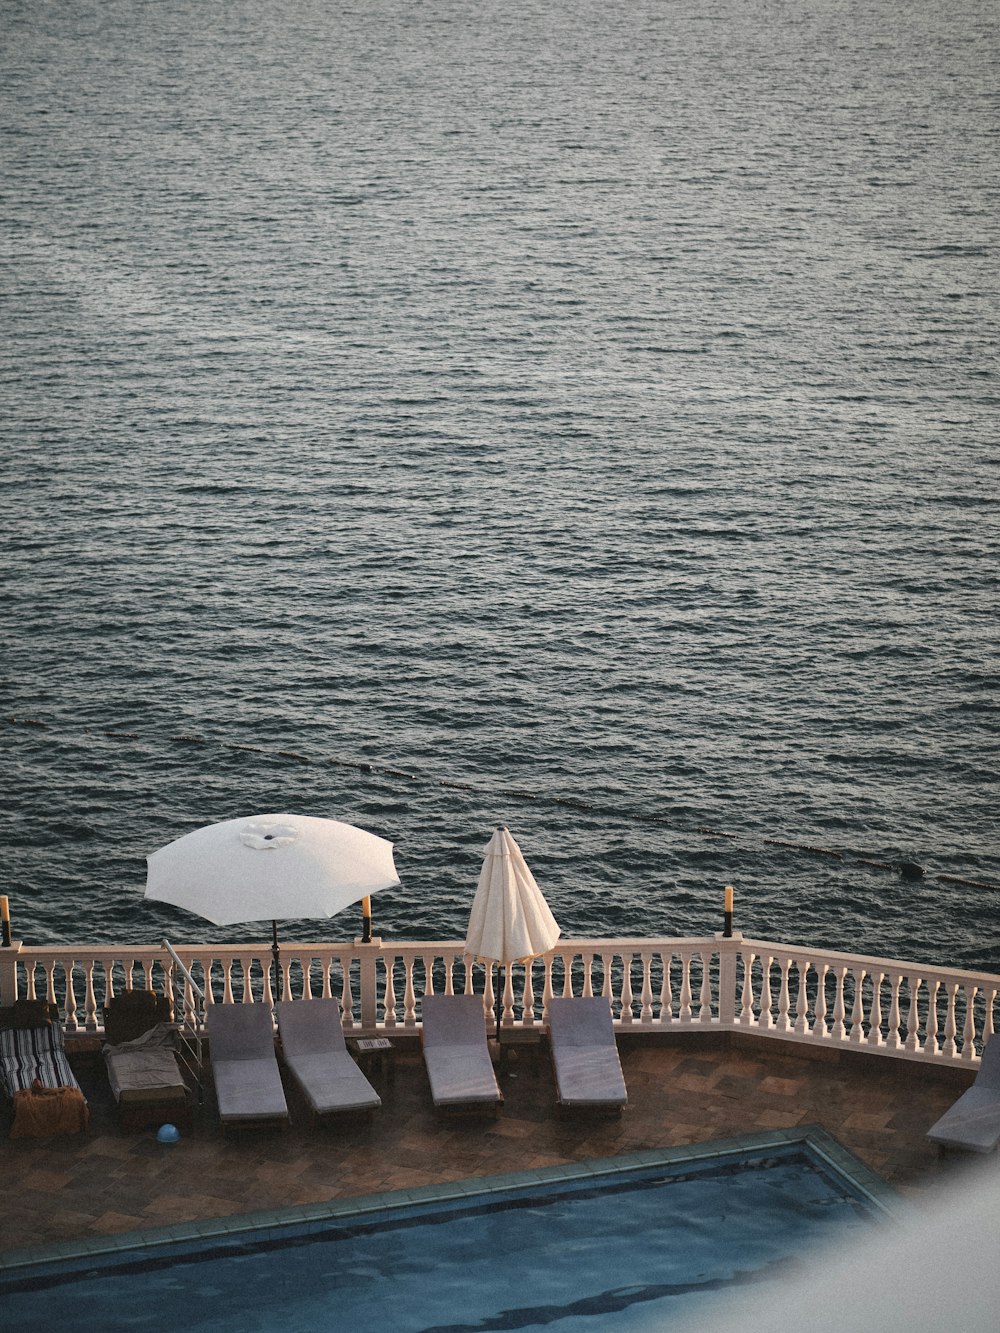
683 1090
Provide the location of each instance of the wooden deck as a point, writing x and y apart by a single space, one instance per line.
683 1090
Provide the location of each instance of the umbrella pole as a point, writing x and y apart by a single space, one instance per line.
499 1002
277 964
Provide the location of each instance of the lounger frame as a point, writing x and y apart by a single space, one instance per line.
457 1055
245 1071
315 1054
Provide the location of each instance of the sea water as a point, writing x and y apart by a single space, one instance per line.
570 415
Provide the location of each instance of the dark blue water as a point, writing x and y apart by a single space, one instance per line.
586 412
619 1255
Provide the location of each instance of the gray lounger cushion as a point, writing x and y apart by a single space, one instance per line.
584 1054
144 1063
973 1122
244 1066
456 1052
313 1046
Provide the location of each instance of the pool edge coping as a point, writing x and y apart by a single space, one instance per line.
812 1138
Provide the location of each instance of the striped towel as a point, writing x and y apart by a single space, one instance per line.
27 1054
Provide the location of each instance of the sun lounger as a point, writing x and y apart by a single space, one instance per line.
456 1053
35 1073
140 1054
973 1123
315 1053
244 1067
584 1054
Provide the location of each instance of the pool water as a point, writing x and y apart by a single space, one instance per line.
635 1249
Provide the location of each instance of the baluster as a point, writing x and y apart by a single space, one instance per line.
685 1013
666 990
969 1026
489 993
507 1003
547 988
646 1012
746 998
705 995
588 974
988 1026
70 996
951 1027
930 1040
227 982
912 1042
449 975
326 991
766 1017
839 1008
187 1004
389 994
782 1023
893 1038
607 985
347 997
409 993
90 1000
875 1037
626 1011
858 1008
802 1000
568 960
528 997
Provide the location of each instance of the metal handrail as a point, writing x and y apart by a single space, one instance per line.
189 1030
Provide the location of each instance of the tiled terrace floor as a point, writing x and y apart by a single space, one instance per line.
105 1181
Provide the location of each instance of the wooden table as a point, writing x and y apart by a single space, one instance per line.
372 1053
516 1043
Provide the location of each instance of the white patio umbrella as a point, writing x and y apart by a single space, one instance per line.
510 921
267 867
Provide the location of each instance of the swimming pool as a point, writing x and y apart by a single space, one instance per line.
617 1243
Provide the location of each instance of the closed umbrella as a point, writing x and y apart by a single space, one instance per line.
270 867
510 921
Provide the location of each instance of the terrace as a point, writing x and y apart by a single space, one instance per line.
718 1037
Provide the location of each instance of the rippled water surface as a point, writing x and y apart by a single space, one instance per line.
583 415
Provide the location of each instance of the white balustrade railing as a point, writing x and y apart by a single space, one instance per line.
709 983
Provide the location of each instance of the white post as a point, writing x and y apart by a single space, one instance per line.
728 949
367 954
8 972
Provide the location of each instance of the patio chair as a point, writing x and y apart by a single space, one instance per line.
456 1053
973 1122
316 1055
244 1067
140 1055
584 1054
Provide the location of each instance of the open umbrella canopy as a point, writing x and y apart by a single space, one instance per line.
510 921
267 867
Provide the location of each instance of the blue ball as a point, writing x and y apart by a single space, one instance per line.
168 1134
